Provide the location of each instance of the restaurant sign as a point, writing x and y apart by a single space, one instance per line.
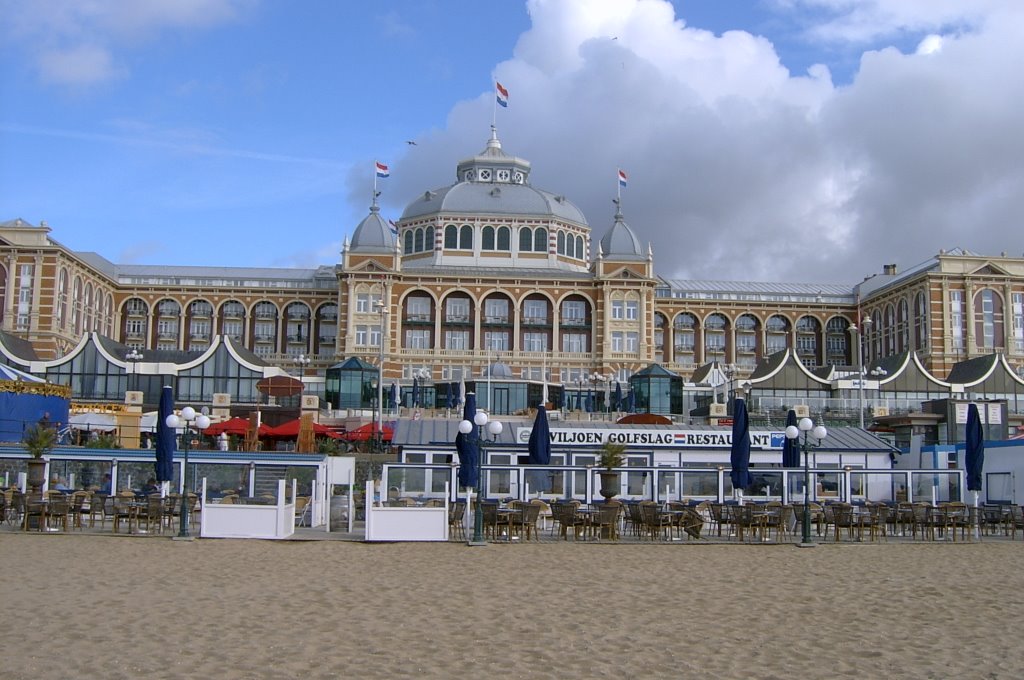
678 439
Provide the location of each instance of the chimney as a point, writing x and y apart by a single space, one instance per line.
889 269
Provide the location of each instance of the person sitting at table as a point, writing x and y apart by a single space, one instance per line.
150 487
57 484
105 487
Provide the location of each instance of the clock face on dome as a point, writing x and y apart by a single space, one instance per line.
517 177
502 175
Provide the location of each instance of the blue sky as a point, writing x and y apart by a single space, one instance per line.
767 139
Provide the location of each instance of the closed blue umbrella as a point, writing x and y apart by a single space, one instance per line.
415 392
791 449
393 396
466 445
618 396
739 455
560 401
579 401
974 457
165 444
590 401
539 446
631 402
450 397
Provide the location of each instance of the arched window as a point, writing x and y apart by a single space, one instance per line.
714 337
560 247
466 237
683 336
890 330
487 239
407 248
837 344
525 240
428 239
87 309
746 339
807 331
451 237
902 326
876 334
108 312
62 297
581 252
920 322
776 334
988 319
504 239
418 243
76 305
540 240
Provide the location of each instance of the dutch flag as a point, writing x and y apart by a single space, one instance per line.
622 178
501 93
382 170
394 227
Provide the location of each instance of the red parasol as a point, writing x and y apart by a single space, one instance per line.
366 432
290 430
237 426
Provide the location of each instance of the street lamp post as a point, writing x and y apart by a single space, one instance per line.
134 356
188 418
379 411
301 362
494 427
808 429
858 360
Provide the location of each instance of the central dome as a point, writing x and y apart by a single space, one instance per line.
494 183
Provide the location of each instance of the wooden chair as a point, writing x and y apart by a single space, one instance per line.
457 520
843 517
921 514
567 517
688 520
124 510
656 523
606 521
98 509
15 509
79 508
153 512
524 522
57 513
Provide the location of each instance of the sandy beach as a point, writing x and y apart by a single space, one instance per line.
114 607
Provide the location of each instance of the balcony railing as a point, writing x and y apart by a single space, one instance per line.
536 321
457 318
167 335
419 318
266 315
500 319
574 322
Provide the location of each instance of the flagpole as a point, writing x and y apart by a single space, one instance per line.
618 188
494 111
374 201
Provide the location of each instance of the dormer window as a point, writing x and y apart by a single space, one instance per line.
485 175
518 177
468 176
502 175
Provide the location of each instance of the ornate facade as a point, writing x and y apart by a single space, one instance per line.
491 268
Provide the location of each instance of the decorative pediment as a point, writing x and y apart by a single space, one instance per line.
989 269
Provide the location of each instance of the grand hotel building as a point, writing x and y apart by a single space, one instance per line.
490 268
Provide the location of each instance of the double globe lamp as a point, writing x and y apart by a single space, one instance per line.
188 418
494 427
818 433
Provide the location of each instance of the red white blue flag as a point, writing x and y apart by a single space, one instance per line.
382 170
622 178
394 227
501 93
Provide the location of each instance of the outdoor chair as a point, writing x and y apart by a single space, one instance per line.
606 522
302 508
124 511
877 521
98 509
153 512
1014 520
656 523
457 520
634 520
57 514
490 515
524 522
843 517
921 514
567 517
79 508
687 520
718 516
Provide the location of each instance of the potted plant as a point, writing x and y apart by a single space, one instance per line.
613 455
38 440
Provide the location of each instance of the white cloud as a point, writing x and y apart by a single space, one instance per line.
75 42
741 170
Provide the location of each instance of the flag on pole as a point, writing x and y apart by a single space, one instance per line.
501 93
622 178
394 227
382 170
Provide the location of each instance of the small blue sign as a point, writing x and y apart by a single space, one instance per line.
778 440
